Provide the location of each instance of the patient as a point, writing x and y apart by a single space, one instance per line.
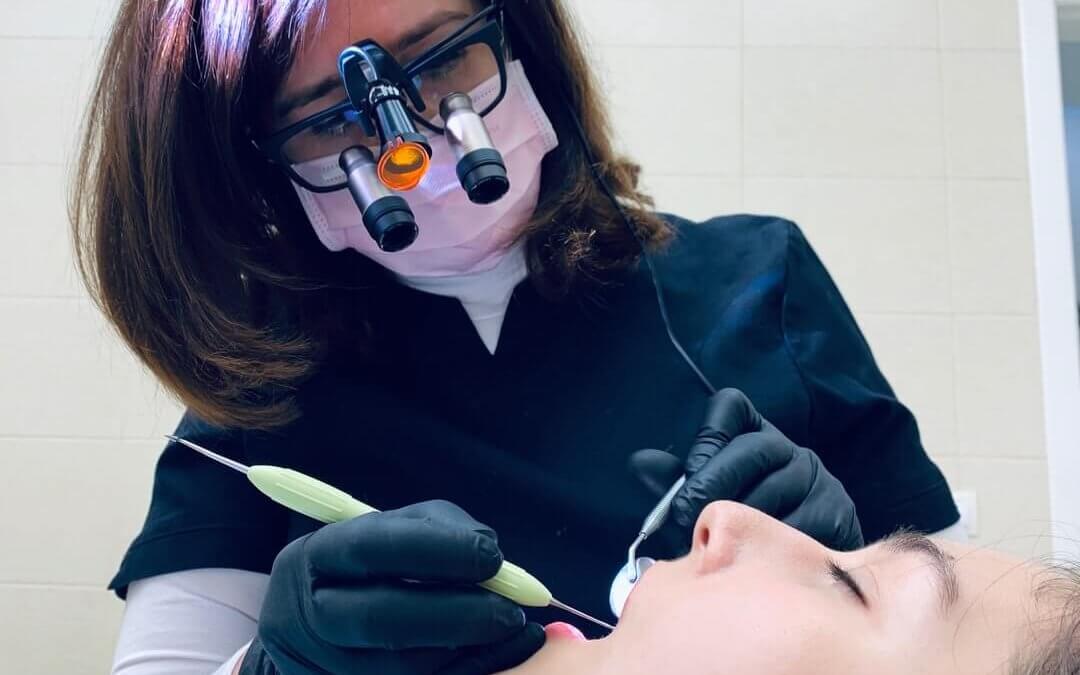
756 597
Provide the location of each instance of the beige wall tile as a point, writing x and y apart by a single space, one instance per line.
980 24
998 391
35 251
110 482
993 259
1013 508
676 23
694 197
885 241
51 95
654 134
65 374
842 112
984 115
56 18
46 630
849 23
916 354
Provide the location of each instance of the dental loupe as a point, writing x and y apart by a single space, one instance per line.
383 134
386 98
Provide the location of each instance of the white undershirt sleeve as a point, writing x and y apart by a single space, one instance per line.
193 622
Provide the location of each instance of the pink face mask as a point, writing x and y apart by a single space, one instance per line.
456 236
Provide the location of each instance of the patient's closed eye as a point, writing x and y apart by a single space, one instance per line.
839 574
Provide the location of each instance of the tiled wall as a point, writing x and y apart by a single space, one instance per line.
891 130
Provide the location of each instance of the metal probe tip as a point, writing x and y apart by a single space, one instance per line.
231 463
631 557
580 614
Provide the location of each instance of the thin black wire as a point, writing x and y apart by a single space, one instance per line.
644 251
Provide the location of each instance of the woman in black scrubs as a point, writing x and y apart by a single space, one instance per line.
511 362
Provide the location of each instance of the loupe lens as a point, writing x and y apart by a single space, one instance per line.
387 216
390 223
483 175
480 166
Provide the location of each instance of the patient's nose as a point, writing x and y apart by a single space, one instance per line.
728 531
719 533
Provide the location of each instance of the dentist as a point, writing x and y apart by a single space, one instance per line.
388 243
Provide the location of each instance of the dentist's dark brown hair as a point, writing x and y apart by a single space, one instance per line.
197 250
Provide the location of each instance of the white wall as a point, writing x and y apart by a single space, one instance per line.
80 422
892 130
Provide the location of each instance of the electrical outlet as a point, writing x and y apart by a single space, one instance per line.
969 511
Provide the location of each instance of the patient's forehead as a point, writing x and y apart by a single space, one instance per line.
1001 610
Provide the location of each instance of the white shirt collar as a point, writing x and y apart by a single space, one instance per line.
485 295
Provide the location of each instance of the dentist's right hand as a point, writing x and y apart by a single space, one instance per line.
391 593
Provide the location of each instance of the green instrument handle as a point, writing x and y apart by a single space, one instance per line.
327 504
516 584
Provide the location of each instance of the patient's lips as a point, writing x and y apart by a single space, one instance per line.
563 631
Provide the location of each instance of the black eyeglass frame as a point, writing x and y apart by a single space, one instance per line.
491 33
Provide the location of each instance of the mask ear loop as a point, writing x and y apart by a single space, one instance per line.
641 243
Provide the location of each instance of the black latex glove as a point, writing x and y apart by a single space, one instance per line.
739 455
338 600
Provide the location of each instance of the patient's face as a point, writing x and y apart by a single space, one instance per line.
756 597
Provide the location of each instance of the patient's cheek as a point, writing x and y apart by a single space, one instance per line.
562 631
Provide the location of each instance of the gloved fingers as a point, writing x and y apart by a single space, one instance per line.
445 513
398 616
427 542
729 414
741 465
827 514
656 469
839 529
784 490
496 658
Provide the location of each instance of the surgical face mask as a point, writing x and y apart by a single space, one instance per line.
457 236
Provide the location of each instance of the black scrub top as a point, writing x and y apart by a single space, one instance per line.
534 439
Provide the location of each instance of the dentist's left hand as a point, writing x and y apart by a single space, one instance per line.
739 455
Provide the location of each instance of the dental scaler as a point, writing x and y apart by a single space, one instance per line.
327 504
651 524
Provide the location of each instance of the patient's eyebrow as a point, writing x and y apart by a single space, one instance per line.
942 563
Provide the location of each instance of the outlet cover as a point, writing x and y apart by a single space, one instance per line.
969 511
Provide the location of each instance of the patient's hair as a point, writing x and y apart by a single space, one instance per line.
1056 648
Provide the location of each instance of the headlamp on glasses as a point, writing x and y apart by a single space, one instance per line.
379 90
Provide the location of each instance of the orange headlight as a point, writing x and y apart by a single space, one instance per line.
403 164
